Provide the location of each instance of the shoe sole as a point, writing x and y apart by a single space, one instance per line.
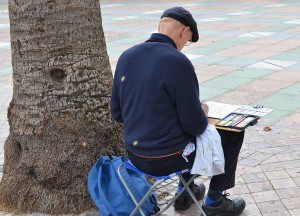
182 207
185 207
229 213
179 207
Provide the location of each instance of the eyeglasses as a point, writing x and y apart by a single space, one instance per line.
188 42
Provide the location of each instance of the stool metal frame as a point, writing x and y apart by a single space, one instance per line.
159 179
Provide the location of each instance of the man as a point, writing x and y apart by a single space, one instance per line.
156 97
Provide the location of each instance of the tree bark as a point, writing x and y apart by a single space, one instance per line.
59 114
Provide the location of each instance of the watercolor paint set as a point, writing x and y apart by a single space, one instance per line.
238 121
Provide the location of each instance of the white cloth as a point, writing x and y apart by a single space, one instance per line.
209 160
188 150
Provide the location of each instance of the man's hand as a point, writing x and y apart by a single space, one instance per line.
205 108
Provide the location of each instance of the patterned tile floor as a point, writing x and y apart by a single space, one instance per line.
248 53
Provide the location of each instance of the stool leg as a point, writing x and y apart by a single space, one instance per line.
185 186
146 196
130 193
191 193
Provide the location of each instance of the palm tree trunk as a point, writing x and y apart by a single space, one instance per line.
59 114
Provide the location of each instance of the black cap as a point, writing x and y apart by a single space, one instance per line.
185 17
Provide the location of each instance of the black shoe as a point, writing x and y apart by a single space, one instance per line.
184 201
228 207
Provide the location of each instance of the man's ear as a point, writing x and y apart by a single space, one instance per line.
187 29
183 32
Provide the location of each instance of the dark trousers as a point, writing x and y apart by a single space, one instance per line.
231 143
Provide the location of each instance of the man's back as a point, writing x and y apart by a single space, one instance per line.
156 96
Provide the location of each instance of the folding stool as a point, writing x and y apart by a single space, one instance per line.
159 179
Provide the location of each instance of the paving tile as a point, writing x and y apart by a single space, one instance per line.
265 65
222 69
240 61
266 41
240 96
256 34
291 164
239 180
280 174
247 197
277 213
275 150
251 210
220 45
227 82
264 54
291 203
283 183
191 56
287 157
286 75
296 148
275 5
293 22
286 193
255 159
281 63
276 207
255 169
265 196
245 152
5 71
239 40
231 52
291 90
259 146
208 92
209 59
240 189
266 85
254 177
260 186
295 67
287 102
289 56
294 172
280 48
296 50
242 169
250 47
204 50
278 114
295 212
276 28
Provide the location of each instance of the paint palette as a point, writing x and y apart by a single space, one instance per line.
237 121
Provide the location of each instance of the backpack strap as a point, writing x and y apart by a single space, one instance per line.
101 194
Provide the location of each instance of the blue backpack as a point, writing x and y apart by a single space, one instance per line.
108 192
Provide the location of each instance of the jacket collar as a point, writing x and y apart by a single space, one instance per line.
158 37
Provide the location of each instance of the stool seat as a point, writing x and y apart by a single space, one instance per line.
130 166
160 179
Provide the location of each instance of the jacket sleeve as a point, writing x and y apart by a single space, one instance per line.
115 107
191 116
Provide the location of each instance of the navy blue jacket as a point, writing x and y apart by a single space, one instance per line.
156 95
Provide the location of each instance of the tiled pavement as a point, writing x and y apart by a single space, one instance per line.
248 53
